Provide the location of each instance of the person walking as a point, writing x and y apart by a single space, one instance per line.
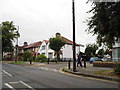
79 60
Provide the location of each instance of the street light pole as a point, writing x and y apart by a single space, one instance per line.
17 46
74 49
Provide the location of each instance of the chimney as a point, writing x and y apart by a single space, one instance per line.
25 43
58 35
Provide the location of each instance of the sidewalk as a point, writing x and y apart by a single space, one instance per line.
90 71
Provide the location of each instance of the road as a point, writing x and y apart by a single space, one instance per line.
15 76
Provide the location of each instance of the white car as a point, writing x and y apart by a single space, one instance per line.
106 59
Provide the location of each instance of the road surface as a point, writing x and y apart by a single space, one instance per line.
15 76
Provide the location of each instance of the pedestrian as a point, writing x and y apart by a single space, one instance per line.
79 60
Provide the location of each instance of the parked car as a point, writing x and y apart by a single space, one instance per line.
93 59
106 59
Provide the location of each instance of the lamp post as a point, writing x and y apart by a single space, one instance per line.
74 48
17 45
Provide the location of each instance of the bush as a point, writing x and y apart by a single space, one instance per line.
20 58
41 58
117 69
27 56
105 64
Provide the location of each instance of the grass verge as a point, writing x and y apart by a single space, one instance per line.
17 62
106 73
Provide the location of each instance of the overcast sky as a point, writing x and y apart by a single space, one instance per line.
39 20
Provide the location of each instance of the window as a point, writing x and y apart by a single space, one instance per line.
43 53
43 47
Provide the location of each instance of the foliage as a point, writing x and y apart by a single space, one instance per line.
9 33
100 72
117 69
105 22
27 56
20 58
56 44
17 62
108 52
91 50
101 52
41 58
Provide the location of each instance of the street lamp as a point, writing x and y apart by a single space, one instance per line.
74 48
17 45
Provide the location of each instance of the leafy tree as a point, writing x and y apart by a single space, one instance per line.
101 52
56 44
27 56
9 33
91 50
108 51
105 22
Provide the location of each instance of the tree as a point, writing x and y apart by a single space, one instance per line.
105 22
9 33
28 56
101 52
91 50
56 44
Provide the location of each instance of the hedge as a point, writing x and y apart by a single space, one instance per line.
105 64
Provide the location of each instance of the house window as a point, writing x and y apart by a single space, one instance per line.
43 53
43 47
50 55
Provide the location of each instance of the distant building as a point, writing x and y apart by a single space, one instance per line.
66 50
43 48
116 52
33 48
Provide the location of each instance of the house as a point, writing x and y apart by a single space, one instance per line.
116 51
44 49
67 51
33 48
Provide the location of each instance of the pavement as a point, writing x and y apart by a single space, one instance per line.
86 72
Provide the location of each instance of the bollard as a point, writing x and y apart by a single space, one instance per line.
48 60
84 63
69 64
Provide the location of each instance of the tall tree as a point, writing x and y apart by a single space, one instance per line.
56 44
9 33
91 50
101 52
105 22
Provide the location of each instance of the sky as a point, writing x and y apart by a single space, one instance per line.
39 20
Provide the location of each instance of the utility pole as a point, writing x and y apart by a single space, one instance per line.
74 49
17 45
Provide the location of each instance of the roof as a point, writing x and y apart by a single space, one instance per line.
21 47
46 41
70 42
36 44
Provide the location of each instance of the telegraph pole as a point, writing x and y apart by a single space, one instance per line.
74 49
17 45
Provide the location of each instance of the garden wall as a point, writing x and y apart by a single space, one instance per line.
105 64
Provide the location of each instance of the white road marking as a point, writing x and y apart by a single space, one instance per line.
27 85
9 86
7 73
13 82
55 70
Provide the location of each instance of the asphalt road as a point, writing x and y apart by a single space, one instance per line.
14 77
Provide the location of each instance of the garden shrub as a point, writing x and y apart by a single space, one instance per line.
20 58
117 69
41 58
27 56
